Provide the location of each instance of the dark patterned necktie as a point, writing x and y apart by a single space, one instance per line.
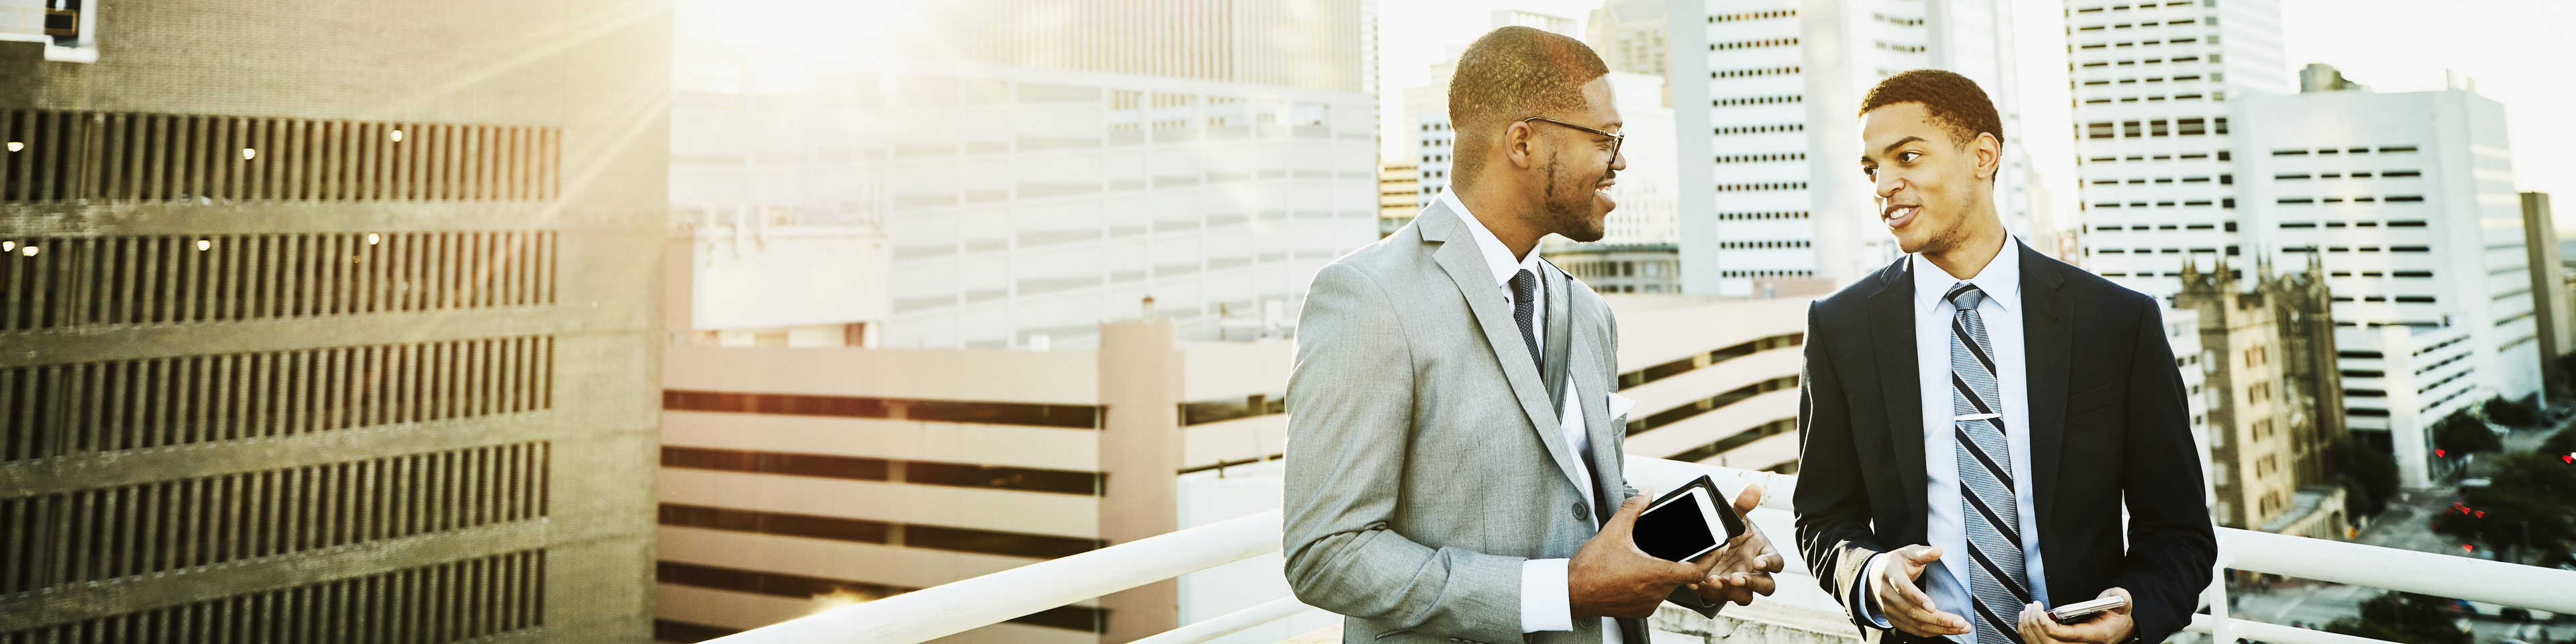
1524 311
1986 491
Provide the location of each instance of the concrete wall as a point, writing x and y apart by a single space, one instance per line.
566 356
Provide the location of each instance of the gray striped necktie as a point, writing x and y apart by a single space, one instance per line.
1986 490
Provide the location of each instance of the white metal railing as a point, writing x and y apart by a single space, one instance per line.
931 613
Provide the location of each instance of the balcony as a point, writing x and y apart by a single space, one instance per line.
1791 615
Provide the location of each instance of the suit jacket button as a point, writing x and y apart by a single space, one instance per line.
1579 512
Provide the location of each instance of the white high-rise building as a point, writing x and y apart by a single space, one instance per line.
2409 201
1770 81
2157 161
1035 167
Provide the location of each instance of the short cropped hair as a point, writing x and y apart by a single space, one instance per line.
1949 99
1509 74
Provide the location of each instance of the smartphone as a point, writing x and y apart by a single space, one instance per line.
1687 523
2084 610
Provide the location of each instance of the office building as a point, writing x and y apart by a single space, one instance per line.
793 479
1722 394
2269 387
2407 200
342 332
1770 81
1034 168
2154 86
2551 304
1399 195
1630 36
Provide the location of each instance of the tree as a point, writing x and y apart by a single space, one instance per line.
2510 413
2562 443
2405 618
2369 477
2529 506
2461 433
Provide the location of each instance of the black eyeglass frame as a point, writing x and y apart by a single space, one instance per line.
1616 138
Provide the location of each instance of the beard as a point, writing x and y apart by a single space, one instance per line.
1567 203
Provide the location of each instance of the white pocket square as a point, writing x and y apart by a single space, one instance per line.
1620 405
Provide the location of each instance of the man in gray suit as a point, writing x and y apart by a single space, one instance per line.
1453 457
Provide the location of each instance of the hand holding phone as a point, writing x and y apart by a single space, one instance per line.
1687 523
2082 611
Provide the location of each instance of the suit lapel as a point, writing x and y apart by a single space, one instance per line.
1591 392
1891 321
1458 256
2048 324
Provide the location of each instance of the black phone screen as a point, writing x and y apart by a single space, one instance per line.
1674 532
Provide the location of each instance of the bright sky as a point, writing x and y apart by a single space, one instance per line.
2513 49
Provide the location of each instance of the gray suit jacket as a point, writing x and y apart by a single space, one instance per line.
1424 463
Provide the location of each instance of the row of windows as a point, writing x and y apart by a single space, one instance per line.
1761 129
2177 41
2142 5
448 602
1698 360
1740 439
51 282
1767 273
2213 20
1010 544
2224 180
1902 49
2214 77
2187 156
1712 403
1766 71
2220 96
1749 44
2229 226
2389 199
2229 202
2455 395
1902 22
1757 100
1590 270
1747 216
2385 149
2357 174
2155 127
1760 158
2393 223
946 411
70 409
61 156
55 540
2357 249
893 471
800 587
2150 61
1757 15
1211 411
1750 187
2409 299
1791 243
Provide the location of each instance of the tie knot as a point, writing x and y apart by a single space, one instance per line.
1524 285
1965 296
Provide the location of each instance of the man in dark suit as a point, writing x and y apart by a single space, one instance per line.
1976 415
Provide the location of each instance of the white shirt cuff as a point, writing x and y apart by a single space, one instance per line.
1545 604
1865 604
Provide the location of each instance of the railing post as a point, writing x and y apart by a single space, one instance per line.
2222 629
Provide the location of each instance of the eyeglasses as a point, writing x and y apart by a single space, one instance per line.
1615 138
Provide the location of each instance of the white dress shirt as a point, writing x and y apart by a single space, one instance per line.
1546 603
1946 528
